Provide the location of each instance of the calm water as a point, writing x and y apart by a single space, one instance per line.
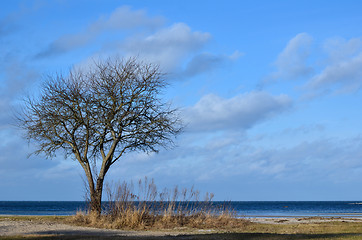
242 209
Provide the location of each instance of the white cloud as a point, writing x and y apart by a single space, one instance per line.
123 18
340 71
331 160
343 72
126 18
344 76
240 112
340 49
206 62
170 47
291 62
167 47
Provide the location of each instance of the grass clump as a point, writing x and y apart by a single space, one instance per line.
148 208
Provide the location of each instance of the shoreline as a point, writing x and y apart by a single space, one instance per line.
336 215
302 220
11 226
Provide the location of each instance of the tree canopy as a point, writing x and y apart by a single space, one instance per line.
98 115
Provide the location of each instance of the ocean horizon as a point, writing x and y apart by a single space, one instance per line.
240 208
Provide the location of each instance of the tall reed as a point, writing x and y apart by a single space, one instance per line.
144 206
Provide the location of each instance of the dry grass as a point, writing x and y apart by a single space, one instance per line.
136 221
148 208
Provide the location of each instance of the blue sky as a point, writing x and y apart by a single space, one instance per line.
270 92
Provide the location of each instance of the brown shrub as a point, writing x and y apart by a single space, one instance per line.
158 210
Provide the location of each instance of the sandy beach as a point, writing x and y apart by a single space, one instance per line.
9 227
301 220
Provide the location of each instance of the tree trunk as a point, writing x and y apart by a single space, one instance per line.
96 198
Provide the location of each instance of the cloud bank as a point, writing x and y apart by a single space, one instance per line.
240 112
343 71
123 18
338 71
206 62
177 48
168 46
292 61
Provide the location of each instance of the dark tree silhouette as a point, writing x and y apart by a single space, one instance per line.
97 116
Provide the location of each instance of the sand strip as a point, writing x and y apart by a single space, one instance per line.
10 227
20 227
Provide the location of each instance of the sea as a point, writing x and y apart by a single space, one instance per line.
247 209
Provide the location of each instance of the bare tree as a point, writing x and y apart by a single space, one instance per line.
97 116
